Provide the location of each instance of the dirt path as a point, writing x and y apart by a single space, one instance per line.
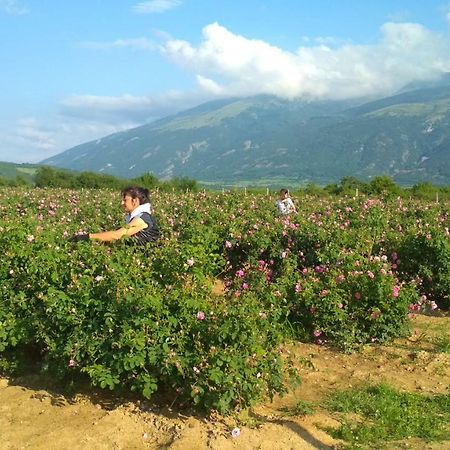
32 416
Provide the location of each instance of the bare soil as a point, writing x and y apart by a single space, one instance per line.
35 415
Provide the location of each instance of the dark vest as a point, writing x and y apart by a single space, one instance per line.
149 234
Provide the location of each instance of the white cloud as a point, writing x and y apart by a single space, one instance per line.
85 118
26 141
32 141
13 7
137 44
28 131
156 6
233 64
134 109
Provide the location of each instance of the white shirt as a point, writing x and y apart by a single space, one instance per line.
285 206
145 207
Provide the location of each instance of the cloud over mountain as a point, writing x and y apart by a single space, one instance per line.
227 63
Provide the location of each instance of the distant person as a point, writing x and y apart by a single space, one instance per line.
285 205
140 224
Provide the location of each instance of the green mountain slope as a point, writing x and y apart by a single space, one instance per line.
405 136
11 171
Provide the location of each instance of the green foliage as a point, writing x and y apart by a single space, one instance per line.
442 343
57 178
426 256
383 185
181 184
147 180
390 415
302 408
151 319
48 177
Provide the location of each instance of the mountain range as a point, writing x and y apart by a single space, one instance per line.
267 140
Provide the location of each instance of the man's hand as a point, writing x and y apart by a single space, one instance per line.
80 237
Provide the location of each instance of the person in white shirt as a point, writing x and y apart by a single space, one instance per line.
285 205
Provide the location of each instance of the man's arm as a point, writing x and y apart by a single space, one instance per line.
136 225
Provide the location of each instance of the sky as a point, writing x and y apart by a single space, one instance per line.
76 70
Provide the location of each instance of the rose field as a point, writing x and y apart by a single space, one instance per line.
207 315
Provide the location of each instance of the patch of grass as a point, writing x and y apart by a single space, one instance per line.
442 343
302 408
389 415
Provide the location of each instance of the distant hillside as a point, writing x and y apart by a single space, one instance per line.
265 139
11 171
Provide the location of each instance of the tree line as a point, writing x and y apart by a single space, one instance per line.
348 186
55 178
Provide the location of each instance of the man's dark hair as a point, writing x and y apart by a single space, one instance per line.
142 194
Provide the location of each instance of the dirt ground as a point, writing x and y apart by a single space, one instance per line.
33 415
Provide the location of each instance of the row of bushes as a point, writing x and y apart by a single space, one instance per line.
48 177
348 186
342 272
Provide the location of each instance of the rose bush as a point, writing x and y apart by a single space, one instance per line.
340 272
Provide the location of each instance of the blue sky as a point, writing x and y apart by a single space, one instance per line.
74 71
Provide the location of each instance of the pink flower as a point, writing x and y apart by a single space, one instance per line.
317 333
201 315
370 274
30 238
394 256
244 286
190 262
357 295
298 288
228 244
240 273
235 432
72 363
395 291
375 314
